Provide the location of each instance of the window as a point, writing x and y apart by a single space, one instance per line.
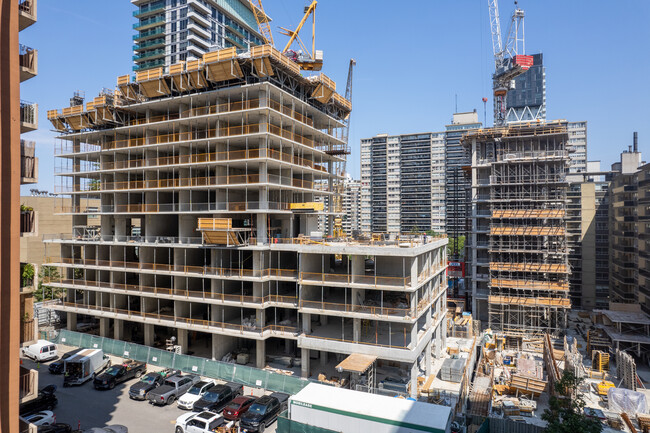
183 24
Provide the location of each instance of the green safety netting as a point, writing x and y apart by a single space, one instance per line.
250 376
286 425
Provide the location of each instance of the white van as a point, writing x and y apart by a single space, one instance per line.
40 351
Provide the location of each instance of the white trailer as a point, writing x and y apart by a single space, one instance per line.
83 366
346 411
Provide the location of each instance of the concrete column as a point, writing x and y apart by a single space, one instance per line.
259 318
148 334
304 363
427 358
183 340
118 326
323 357
220 346
414 380
103 326
357 266
262 231
414 335
414 272
443 335
306 323
72 321
356 330
260 354
323 320
287 346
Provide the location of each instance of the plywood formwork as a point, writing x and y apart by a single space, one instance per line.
222 65
530 284
266 57
529 213
556 268
153 83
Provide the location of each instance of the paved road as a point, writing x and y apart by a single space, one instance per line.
93 408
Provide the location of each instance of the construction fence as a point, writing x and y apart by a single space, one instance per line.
285 425
249 376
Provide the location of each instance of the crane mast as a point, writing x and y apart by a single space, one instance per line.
509 58
339 187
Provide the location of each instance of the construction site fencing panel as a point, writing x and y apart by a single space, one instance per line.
249 376
285 425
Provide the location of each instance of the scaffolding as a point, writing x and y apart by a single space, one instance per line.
520 175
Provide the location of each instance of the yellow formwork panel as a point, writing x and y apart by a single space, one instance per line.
316 206
529 285
196 74
215 223
529 213
223 70
527 231
220 238
529 267
149 74
530 302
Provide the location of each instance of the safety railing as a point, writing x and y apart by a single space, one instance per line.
207 324
184 293
349 308
232 206
185 269
237 179
368 280
235 155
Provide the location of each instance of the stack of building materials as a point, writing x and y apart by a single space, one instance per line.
452 370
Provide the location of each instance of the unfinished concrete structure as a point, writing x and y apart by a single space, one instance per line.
208 180
518 243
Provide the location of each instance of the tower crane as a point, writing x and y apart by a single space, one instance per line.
339 189
509 58
262 21
309 61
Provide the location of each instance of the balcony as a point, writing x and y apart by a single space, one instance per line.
28 384
153 43
28 162
149 34
28 117
26 13
149 9
149 22
149 55
27 220
28 60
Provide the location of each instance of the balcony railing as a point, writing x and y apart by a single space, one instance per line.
233 206
184 269
28 384
28 112
186 293
28 161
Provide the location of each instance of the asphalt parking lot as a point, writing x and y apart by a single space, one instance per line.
89 407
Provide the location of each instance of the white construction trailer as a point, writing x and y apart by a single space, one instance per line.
346 411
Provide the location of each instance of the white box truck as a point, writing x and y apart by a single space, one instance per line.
346 411
83 366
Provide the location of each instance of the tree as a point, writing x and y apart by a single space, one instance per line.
46 275
566 409
27 275
458 243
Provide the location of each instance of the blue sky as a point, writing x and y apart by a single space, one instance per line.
413 58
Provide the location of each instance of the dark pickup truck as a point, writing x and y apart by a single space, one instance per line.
56 367
120 373
173 388
218 397
261 414
149 381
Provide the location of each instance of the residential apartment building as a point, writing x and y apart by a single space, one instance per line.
208 193
518 241
588 237
172 31
527 100
630 189
577 146
404 181
457 179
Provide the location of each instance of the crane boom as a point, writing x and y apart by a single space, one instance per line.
310 61
293 34
262 21
495 28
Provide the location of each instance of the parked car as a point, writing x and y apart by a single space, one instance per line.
149 381
45 417
41 351
59 427
171 389
120 373
237 407
45 400
262 413
195 393
215 399
283 398
56 367
203 422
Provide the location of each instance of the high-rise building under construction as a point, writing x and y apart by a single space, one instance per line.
209 181
518 242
